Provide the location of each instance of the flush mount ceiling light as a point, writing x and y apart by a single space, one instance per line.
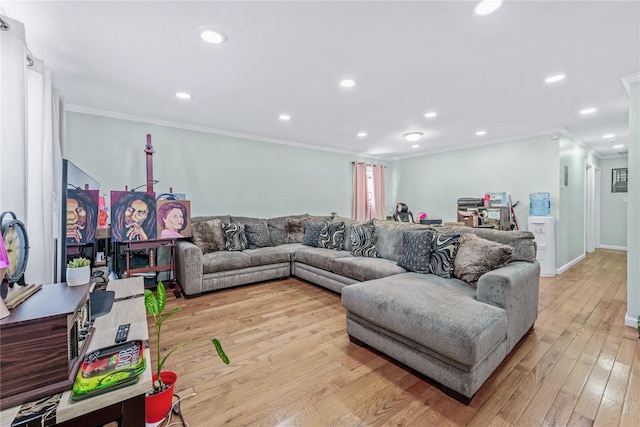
415 146
347 83
609 135
212 36
430 115
618 146
183 95
486 7
412 136
284 117
554 79
481 132
588 110
362 134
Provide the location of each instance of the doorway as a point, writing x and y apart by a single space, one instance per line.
592 208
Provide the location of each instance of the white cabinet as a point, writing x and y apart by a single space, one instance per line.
542 228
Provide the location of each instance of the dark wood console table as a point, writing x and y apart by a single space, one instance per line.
125 405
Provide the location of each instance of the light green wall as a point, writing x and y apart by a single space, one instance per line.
219 174
613 208
633 225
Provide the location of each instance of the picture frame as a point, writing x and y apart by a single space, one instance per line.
619 180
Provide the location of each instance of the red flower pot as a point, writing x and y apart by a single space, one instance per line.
157 406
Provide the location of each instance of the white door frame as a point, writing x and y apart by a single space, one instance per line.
592 208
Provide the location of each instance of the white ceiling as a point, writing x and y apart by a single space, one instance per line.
408 58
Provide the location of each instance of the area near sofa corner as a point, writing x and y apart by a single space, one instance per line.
442 327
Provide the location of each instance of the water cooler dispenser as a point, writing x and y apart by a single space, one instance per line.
542 228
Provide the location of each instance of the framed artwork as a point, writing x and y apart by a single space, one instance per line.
133 216
172 196
619 180
174 219
82 216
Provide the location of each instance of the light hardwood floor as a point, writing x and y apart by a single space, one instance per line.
292 363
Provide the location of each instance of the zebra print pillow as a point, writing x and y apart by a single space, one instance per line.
235 239
331 236
363 241
444 248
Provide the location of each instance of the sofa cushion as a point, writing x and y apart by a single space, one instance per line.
416 251
257 235
365 268
443 252
269 255
389 237
362 241
331 236
349 223
224 261
436 313
208 235
312 233
295 229
278 228
319 257
235 240
477 256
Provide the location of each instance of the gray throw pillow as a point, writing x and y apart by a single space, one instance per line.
235 239
443 252
257 235
295 229
312 233
331 236
416 251
477 256
363 241
208 235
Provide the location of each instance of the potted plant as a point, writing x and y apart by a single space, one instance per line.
158 399
78 271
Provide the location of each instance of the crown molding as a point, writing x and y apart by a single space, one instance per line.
628 80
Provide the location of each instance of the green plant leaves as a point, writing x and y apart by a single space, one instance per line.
151 303
220 351
162 296
78 263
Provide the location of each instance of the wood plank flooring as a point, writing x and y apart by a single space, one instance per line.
292 363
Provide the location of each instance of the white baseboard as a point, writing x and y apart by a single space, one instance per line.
617 248
570 264
630 321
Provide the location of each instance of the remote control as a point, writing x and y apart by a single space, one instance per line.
123 333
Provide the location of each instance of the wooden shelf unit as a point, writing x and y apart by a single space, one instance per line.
151 247
498 217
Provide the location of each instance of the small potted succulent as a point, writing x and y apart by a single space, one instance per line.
159 398
78 271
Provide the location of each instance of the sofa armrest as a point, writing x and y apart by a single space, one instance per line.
189 267
515 288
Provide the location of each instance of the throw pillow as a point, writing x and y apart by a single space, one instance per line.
477 256
296 229
443 252
257 235
416 251
312 233
235 239
208 235
363 241
331 236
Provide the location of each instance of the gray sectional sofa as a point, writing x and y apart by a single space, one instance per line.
452 331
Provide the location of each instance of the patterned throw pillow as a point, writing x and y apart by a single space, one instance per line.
257 235
312 233
295 229
477 256
331 236
235 240
416 251
208 235
363 241
443 253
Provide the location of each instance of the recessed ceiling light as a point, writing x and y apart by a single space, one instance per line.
588 110
481 132
415 146
347 83
183 95
284 117
554 79
412 136
609 135
618 146
486 7
362 134
212 36
431 114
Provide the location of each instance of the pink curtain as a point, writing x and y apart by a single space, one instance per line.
379 193
360 199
